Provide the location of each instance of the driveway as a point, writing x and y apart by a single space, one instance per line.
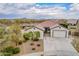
58 46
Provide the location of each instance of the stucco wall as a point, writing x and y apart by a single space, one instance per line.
34 29
59 28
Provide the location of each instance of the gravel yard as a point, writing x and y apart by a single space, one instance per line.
31 47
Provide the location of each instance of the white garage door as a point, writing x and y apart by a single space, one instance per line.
59 33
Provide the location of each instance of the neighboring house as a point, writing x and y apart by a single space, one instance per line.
72 26
72 22
62 21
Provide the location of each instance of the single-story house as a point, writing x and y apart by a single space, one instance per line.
53 29
72 25
72 22
49 28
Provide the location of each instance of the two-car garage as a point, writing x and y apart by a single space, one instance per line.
59 32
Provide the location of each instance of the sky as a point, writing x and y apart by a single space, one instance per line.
39 10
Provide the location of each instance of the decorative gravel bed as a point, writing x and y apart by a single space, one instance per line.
31 47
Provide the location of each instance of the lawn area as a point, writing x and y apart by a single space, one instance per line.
30 47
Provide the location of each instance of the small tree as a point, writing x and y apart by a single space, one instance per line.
26 36
31 35
37 35
64 25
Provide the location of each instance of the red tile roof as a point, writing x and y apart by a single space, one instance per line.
47 23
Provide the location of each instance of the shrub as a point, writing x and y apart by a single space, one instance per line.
38 45
26 36
35 39
7 54
32 44
10 51
20 43
64 25
16 50
32 36
37 35
33 48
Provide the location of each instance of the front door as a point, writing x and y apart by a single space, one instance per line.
47 31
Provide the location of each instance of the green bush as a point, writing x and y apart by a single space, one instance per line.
10 51
35 39
37 33
32 36
7 54
26 36
20 42
16 50
64 25
32 44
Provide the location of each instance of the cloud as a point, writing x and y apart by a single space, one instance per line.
9 8
57 12
34 11
75 7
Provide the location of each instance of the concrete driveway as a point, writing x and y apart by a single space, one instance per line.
58 46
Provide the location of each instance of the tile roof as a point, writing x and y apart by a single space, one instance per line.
47 23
